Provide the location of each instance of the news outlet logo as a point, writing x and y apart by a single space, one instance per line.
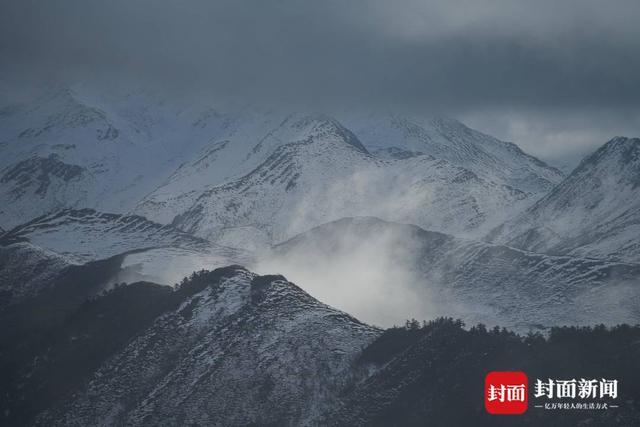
573 388
508 393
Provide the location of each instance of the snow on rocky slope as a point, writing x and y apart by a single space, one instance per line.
251 137
594 212
86 235
73 147
245 350
232 348
448 139
232 149
62 151
384 272
135 152
247 140
323 173
32 255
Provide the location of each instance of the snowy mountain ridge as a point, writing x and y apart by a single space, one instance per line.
594 212
195 186
382 216
371 268
79 148
448 139
34 254
246 349
324 176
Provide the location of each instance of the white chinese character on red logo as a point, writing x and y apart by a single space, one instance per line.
509 393
515 393
496 393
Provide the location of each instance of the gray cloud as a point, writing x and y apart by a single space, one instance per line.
580 56
562 136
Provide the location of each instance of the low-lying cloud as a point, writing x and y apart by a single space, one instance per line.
371 277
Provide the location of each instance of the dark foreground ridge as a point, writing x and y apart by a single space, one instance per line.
229 347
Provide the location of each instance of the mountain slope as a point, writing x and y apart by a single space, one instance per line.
252 135
75 147
245 141
85 235
383 272
27 270
35 254
448 139
324 175
594 212
231 348
245 349
64 150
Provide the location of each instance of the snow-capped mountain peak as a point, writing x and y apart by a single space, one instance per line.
250 349
83 148
594 212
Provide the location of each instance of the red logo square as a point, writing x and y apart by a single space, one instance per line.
506 392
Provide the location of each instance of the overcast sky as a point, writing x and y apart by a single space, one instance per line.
557 77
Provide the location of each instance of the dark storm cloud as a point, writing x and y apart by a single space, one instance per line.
462 56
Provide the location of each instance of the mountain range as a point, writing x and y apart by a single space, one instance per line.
71 148
109 200
230 347
387 265
594 212
88 175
